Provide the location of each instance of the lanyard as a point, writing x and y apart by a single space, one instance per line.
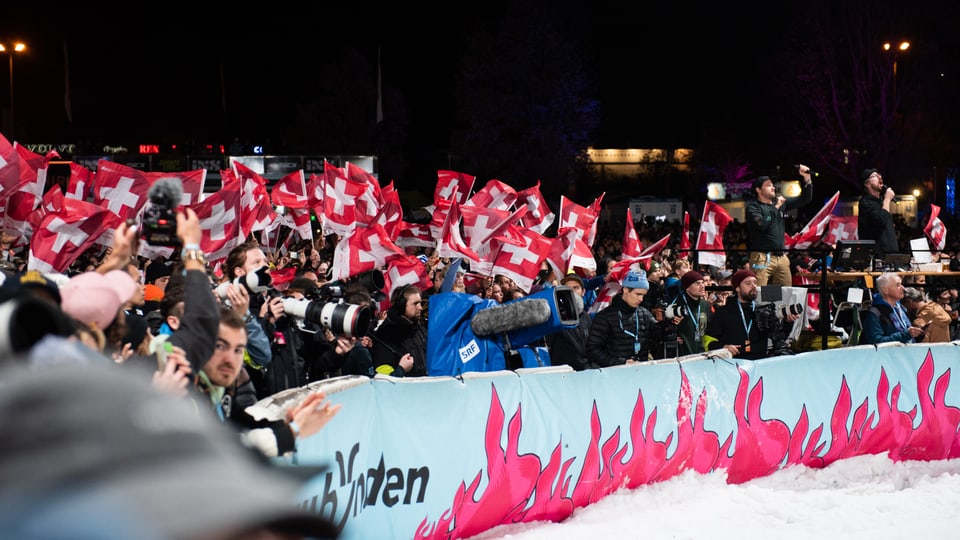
696 321
636 337
746 326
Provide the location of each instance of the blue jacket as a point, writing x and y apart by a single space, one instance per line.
879 325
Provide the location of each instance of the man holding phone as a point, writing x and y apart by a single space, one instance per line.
930 316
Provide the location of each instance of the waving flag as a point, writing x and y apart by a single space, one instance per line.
453 185
219 217
290 191
539 216
340 196
840 228
710 240
935 230
256 212
65 234
685 237
581 218
495 194
406 270
9 167
81 182
631 243
522 263
450 242
815 228
364 249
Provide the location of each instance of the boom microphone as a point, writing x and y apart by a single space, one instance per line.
166 192
510 316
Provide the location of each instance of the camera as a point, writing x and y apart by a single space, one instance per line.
784 311
255 282
675 310
159 222
350 320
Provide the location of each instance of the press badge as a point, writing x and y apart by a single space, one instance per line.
636 347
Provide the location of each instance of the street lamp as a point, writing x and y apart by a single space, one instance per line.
11 49
902 47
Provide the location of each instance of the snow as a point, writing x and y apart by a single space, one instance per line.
864 497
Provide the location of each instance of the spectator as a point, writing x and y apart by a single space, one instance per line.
887 320
733 326
155 279
569 345
104 470
400 342
766 228
691 312
927 315
874 221
285 369
621 332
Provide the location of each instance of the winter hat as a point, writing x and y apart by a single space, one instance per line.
635 279
156 270
95 298
866 174
689 279
741 275
30 281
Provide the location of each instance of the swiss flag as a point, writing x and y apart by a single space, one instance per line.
364 249
33 170
840 228
298 219
9 167
631 242
453 185
522 263
610 289
710 240
65 234
119 188
481 225
685 237
219 217
315 192
291 191
581 218
81 182
390 215
451 242
935 230
406 270
568 251
256 211
20 206
340 196
539 215
416 235
816 227
495 194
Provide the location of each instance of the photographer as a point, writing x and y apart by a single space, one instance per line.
733 326
621 332
285 369
689 312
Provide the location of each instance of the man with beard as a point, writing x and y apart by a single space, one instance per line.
689 312
733 326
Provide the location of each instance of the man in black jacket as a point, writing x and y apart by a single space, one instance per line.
766 228
874 221
733 327
621 332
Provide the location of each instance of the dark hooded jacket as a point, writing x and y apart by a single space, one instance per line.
609 344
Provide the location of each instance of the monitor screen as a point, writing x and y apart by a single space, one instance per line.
853 255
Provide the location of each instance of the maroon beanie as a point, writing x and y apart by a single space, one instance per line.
689 279
739 276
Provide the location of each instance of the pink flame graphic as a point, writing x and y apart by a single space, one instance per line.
520 489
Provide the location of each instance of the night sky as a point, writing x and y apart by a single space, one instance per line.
666 73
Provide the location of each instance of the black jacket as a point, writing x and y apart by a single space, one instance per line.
569 345
609 344
727 328
395 337
765 224
875 223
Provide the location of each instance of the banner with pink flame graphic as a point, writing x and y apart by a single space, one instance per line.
447 458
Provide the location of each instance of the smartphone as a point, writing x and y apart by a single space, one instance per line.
294 254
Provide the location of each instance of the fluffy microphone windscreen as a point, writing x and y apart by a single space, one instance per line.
510 316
